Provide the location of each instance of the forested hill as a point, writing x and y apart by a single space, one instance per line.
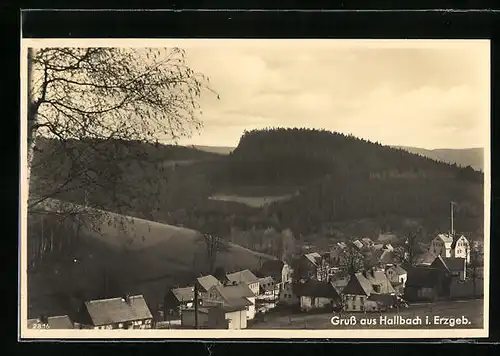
297 156
341 178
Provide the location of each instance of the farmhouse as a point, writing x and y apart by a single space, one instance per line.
178 299
247 277
279 271
317 295
427 284
205 283
288 294
397 276
454 266
129 312
232 295
362 285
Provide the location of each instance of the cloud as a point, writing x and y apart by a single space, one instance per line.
423 97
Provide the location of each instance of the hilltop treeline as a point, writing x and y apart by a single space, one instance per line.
297 156
344 178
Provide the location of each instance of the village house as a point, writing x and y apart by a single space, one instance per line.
51 322
205 283
317 295
129 312
450 245
268 289
312 266
279 271
337 252
362 285
383 258
233 295
397 275
288 295
247 277
425 259
209 317
457 267
176 300
426 284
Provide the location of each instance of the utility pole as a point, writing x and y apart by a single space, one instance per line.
196 304
452 204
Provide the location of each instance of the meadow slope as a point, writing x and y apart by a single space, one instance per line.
128 255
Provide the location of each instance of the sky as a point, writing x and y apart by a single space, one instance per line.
428 94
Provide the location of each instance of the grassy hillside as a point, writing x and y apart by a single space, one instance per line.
473 157
215 149
128 255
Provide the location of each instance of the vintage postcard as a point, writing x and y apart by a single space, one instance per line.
254 188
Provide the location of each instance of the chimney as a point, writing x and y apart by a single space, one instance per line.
126 298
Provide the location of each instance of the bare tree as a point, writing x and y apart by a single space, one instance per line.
92 112
213 244
409 251
351 261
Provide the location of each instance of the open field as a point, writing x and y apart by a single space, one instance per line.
470 309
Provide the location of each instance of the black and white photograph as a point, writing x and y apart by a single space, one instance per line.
243 188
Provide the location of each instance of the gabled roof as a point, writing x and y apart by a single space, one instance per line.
362 284
235 295
245 276
425 258
424 277
117 310
54 322
314 257
358 285
185 294
455 240
313 288
452 264
379 278
447 238
207 282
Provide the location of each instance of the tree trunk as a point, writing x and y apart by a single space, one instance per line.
32 117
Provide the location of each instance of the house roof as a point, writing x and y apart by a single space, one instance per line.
358 243
362 283
378 246
54 322
117 310
358 285
313 288
314 257
447 238
235 295
185 294
207 282
425 258
421 276
245 276
272 268
450 263
455 240
266 284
